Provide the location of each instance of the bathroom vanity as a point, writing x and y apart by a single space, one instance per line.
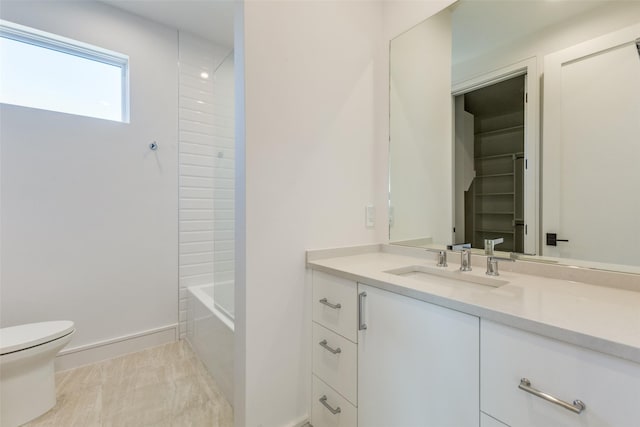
398 341
400 338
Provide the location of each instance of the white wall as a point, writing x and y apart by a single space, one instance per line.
596 22
89 212
312 143
420 132
312 79
206 165
402 15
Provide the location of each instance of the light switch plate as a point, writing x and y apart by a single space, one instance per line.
370 216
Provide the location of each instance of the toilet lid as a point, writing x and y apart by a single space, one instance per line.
15 338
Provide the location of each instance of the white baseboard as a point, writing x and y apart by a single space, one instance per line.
107 349
302 422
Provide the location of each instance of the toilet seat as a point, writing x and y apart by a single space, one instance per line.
21 337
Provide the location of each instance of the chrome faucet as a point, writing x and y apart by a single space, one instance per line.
489 245
459 246
465 254
492 265
465 260
442 257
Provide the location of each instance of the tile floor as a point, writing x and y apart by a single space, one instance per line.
160 386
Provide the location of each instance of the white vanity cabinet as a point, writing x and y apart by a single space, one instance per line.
334 304
334 351
609 387
417 363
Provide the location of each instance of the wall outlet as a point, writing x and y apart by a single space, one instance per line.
370 216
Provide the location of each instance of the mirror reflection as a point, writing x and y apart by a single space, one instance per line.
515 124
489 165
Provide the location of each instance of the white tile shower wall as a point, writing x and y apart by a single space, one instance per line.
206 165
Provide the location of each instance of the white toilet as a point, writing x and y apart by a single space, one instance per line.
27 385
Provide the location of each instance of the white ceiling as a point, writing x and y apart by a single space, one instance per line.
483 25
478 25
211 19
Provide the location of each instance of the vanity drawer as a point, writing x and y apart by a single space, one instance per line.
334 304
335 361
324 416
608 386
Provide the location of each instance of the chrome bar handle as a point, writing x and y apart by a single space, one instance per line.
324 344
578 406
335 411
361 325
328 304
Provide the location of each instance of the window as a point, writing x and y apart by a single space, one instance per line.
46 71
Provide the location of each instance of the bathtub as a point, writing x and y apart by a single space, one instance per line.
210 331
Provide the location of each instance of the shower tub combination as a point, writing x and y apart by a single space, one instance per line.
210 330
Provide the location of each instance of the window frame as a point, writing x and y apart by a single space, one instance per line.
46 40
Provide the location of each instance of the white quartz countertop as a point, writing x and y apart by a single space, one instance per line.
600 318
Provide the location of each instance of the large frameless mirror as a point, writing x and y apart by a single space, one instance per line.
515 124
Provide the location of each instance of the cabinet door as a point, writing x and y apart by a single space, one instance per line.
418 363
609 387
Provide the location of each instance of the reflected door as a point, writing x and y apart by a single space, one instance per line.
591 150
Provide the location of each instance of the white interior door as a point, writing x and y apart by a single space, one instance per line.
591 149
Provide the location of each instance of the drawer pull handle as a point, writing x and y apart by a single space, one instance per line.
361 325
324 344
328 304
577 407
335 411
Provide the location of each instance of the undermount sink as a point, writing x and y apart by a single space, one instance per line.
425 273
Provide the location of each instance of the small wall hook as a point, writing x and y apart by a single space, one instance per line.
153 146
